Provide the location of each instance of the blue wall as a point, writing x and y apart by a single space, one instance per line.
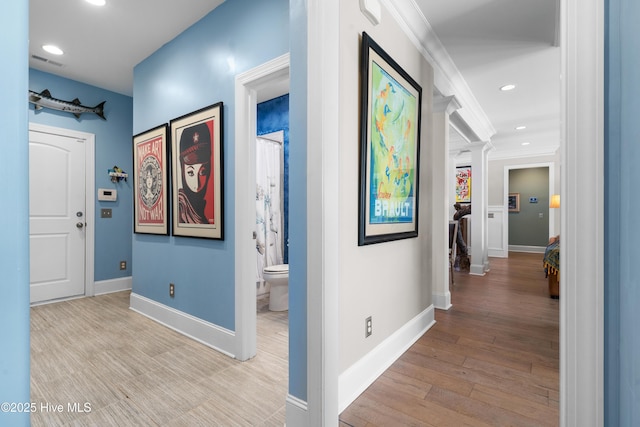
622 229
113 147
14 216
273 116
197 69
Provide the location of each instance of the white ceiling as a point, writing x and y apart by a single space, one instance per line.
496 42
103 44
492 43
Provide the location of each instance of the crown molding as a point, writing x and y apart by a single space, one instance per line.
447 78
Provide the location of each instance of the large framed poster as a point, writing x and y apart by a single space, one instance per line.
197 173
150 204
389 148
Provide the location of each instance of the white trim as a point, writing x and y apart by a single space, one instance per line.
364 372
323 195
502 251
247 86
440 301
297 411
113 285
527 249
582 214
90 196
214 336
447 79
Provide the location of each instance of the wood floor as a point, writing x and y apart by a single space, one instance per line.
491 360
94 362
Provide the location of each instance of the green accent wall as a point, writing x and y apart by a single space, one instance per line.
526 228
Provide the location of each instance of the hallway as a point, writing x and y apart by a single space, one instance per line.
491 360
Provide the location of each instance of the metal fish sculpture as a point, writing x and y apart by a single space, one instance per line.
45 100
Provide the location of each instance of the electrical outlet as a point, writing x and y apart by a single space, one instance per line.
368 327
123 265
172 290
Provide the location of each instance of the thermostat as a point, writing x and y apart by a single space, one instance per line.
107 194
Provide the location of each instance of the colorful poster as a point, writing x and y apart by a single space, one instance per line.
196 156
392 150
463 184
150 187
389 148
150 182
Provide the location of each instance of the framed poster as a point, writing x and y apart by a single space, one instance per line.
197 173
151 172
389 148
463 184
514 202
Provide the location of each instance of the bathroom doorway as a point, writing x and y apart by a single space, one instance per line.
272 188
267 81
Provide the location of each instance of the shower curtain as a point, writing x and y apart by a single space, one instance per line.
269 199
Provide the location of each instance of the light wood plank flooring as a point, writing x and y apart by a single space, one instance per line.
491 360
131 371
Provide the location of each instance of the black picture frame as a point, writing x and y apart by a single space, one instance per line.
197 141
150 181
389 149
513 202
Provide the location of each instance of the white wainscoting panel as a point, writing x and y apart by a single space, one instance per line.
497 239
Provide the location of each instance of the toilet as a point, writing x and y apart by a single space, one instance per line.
278 278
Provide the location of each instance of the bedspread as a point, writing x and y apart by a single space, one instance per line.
551 260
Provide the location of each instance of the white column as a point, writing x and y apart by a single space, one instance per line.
479 210
440 173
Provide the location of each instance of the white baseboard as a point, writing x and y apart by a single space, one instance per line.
442 302
297 413
530 249
112 285
364 372
214 336
477 270
497 253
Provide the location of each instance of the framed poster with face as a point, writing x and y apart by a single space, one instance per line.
151 171
197 173
389 148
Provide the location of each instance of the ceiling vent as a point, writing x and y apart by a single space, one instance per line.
46 61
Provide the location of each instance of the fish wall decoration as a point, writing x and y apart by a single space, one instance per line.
45 100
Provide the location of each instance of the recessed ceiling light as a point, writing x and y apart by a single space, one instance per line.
97 2
52 49
507 87
520 127
526 143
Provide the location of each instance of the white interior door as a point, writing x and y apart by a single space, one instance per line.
56 216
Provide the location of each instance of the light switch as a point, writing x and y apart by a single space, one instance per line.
105 213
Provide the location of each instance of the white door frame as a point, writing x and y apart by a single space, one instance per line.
90 217
247 86
582 214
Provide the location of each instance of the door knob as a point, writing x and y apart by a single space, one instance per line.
80 224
